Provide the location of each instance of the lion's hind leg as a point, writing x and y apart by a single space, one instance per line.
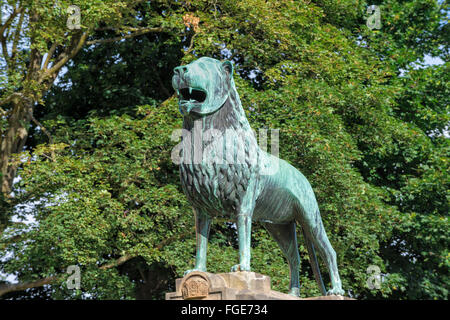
286 237
315 232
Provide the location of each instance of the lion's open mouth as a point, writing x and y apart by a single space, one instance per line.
192 95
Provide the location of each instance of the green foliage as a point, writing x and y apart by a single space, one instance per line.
45 22
372 144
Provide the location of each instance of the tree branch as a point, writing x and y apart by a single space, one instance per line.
117 262
48 280
6 288
49 55
10 19
191 44
17 35
64 57
4 37
138 32
77 47
4 48
35 61
12 97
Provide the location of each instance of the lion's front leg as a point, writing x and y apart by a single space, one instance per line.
202 227
244 226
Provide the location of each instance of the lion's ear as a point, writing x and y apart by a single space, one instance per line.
228 67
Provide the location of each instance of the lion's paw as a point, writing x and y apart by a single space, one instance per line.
239 267
191 270
335 292
294 292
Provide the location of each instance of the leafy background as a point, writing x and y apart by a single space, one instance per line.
360 113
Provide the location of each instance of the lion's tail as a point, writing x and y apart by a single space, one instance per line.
314 263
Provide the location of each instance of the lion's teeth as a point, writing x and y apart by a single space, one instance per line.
190 90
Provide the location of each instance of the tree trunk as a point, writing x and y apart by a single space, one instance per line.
12 141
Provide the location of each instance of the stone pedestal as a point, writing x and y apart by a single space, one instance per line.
231 286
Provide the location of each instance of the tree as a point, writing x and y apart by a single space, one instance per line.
36 45
105 194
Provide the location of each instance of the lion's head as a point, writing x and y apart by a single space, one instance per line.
203 85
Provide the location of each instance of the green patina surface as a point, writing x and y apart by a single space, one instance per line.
224 172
